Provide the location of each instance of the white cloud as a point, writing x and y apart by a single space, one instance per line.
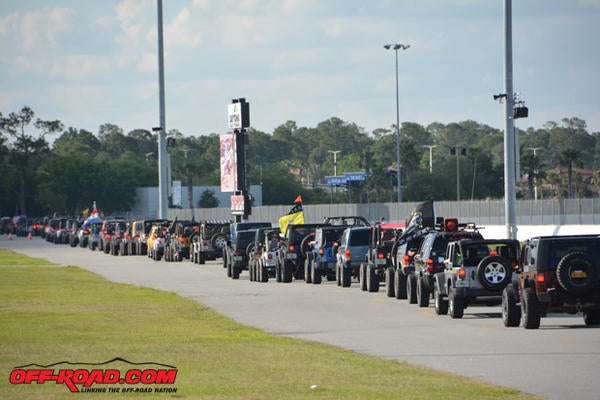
42 28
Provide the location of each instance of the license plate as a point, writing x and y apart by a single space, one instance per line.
578 274
380 261
237 258
291 256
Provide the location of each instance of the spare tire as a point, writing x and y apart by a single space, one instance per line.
304 245
218 241
494 273
576 273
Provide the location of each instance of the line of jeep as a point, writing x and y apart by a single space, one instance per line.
447 263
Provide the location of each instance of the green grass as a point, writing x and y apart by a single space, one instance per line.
50 314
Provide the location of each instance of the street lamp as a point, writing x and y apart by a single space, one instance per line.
396 47
535 189
335 153
458 151
430 147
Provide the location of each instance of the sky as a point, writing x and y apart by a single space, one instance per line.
87 63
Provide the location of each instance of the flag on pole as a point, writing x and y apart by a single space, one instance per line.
295 216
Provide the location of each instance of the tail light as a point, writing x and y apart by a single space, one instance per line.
544 281
321 251
127 237
430 265
86 232
347 254
237 252
108 235
380 256
292 247
118 236
259 251
406 259
462 273
270 256
181 240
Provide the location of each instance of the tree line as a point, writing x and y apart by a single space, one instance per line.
461 160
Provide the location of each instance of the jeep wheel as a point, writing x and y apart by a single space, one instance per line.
591 317
400 284
315 274
576 273
372 279
338 274
263 274
422 292
363 277
411 288
511 312
287 275
218 241
494 273
346 276
201 258
440 304
235 273
530 309
456 305
307 272
389 282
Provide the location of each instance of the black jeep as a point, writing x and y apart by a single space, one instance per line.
557 274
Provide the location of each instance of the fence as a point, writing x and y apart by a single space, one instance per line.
484 212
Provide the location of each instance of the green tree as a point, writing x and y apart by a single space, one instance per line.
26 150
208 199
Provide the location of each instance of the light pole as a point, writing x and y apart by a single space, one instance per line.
430 147
396 47
335 153
458 151
189 180
535 190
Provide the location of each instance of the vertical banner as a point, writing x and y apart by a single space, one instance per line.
228 163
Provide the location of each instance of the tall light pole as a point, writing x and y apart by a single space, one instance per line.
535 190
396 47
163 197
430 147
335 153
509 131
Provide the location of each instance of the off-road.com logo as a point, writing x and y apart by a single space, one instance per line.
82 380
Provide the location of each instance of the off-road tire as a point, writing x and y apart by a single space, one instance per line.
372 279
511 312
422 292
411 288
400 284
315 274
440 304
530 309
390 289
456 305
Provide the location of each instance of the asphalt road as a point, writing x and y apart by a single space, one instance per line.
560 360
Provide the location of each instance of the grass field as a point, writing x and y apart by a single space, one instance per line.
50 314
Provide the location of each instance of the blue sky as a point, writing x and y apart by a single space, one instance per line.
87 62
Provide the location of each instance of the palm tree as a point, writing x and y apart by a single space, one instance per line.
568 158
533 167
